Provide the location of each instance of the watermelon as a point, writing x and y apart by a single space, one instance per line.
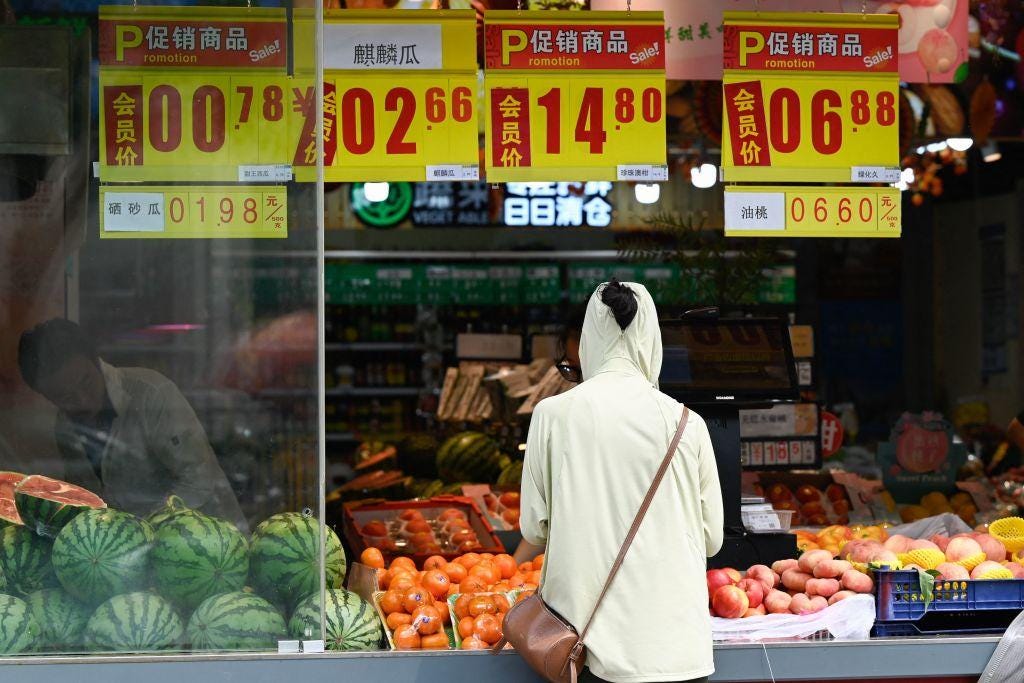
196 556
512 476
61 618
173 507
352 623
471 456
134 622
25 560
286 558
46 505
19 631
102 553
236 621
8 508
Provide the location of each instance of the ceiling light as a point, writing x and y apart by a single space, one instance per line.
960 144
704 176
376 192
647 193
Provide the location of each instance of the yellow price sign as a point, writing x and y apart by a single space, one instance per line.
810 98
192 97
400 98
575 97
168 212
804 211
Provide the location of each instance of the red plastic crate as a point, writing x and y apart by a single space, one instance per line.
358 515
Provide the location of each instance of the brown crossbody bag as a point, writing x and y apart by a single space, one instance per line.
550 644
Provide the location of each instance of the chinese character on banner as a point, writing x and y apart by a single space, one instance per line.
831 434
558 204
511 116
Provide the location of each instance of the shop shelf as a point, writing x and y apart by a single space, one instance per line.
974 606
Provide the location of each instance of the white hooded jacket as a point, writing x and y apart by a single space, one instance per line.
591 455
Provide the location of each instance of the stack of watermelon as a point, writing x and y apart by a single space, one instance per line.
471 457
82 576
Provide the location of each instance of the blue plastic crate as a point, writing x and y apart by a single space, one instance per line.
982 606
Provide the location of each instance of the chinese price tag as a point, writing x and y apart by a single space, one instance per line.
181 211
192 94
808 211
810 98
574 96
400 98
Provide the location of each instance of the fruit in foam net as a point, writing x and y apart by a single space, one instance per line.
950 571
965 551
926 558
991 570
754 591
993 548
730 602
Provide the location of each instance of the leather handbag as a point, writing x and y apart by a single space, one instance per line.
549 643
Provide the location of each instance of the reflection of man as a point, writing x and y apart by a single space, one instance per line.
126 433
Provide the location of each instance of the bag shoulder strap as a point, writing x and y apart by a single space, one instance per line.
666 461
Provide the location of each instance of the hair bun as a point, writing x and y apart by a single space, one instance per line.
622 300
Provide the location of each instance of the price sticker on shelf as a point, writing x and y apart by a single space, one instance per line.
574 96
400 98
188 94
174 212
807 211
810 98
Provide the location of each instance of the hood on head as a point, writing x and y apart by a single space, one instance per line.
604 345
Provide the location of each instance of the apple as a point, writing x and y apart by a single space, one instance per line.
730 602
835 493
754 590
778 493
807 494
510 499
764 575
717 578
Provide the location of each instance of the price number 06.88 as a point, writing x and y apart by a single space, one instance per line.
590 127
357 112
826 115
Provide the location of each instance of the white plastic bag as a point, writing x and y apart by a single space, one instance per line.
849 619
946 524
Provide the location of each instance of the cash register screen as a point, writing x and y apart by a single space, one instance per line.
714 361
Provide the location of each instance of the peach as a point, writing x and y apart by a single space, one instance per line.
952 572
831 569
780 566
758 611
810 559
733 574
897 543
840 596
818 603
922 545
777 602
1016 569
854 581
826 588
730 602
986 567
961 548
754 590
863 551
915 567
941 541
992 546
795 580
716 579
762 574
884 557
801 604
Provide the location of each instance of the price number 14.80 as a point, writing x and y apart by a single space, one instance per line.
589 128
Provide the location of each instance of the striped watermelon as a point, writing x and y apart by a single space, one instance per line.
61 618
19 631
352 623
196 556
173 507
46 505
25 560
134 622
286 558
512 476
102 553
8 508
471 456
236 621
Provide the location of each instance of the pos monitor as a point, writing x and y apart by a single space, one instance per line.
718 366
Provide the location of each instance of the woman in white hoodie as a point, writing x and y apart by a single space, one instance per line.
591 455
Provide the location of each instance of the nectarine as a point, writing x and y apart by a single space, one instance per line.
730 602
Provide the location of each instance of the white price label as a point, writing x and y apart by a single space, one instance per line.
644 173
874 174
755 211
453 172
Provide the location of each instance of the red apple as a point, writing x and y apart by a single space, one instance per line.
754 591
730 602
716 579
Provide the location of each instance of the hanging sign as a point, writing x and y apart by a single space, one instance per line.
810 211
400 97
189 93
810 98
574 96
180 211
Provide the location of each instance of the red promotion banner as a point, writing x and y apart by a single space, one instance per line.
744 107
588 47
810 48
148 40
123 125
510 123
